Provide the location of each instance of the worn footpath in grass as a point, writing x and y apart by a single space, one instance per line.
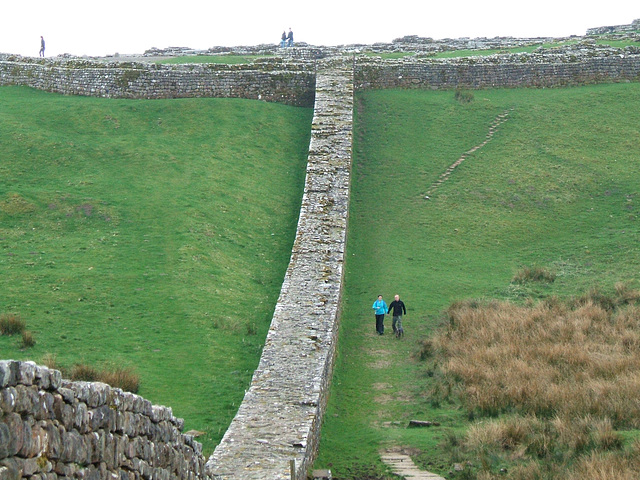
149 234
556 187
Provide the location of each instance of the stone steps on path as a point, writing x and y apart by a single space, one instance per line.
403 465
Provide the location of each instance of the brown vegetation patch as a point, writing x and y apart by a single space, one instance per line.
571 359
381 386
565 376
15 204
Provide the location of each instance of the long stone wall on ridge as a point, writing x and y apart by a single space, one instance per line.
280 417
293 81
270 80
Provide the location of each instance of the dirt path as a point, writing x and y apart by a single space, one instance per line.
402 465
499 120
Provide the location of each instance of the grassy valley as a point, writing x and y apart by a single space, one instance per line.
151 236
556 188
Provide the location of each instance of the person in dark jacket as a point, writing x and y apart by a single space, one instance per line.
398 309
290 39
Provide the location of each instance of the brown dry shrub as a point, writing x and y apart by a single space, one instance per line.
28 340
606 466
121 377
534 274
85 373
545 359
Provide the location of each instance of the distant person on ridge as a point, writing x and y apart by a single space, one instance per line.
380 308
41 53
290 38
283 41
398 309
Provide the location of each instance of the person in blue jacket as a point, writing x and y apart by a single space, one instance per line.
380 308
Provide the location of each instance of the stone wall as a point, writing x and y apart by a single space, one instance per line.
273 80
52 429
292 81
280 417
633 27
516 70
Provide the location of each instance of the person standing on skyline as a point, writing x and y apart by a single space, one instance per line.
41 53
290 38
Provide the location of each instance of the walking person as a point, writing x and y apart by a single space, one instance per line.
380 308
398 309
290 38
41 53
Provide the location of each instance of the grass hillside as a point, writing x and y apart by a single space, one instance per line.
150 236
554 190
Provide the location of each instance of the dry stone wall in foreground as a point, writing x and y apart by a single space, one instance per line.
53 429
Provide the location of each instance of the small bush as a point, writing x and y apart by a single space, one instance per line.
115 376
50 360
426 349
121 377
534 274
464 96
84 373
252 329
28 339
11 324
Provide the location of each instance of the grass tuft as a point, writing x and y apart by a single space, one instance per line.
120 377
28 340
534 274
84 373
11 324
463 96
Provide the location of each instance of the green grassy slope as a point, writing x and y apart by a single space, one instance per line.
149 234
557 186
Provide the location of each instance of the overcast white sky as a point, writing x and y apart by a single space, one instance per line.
97 28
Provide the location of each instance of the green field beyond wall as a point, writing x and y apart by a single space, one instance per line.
557 186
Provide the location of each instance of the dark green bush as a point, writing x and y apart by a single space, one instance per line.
464 96
11 324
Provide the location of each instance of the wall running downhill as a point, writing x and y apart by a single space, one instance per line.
280 417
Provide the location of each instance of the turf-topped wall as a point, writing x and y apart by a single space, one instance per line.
53 428
290 83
